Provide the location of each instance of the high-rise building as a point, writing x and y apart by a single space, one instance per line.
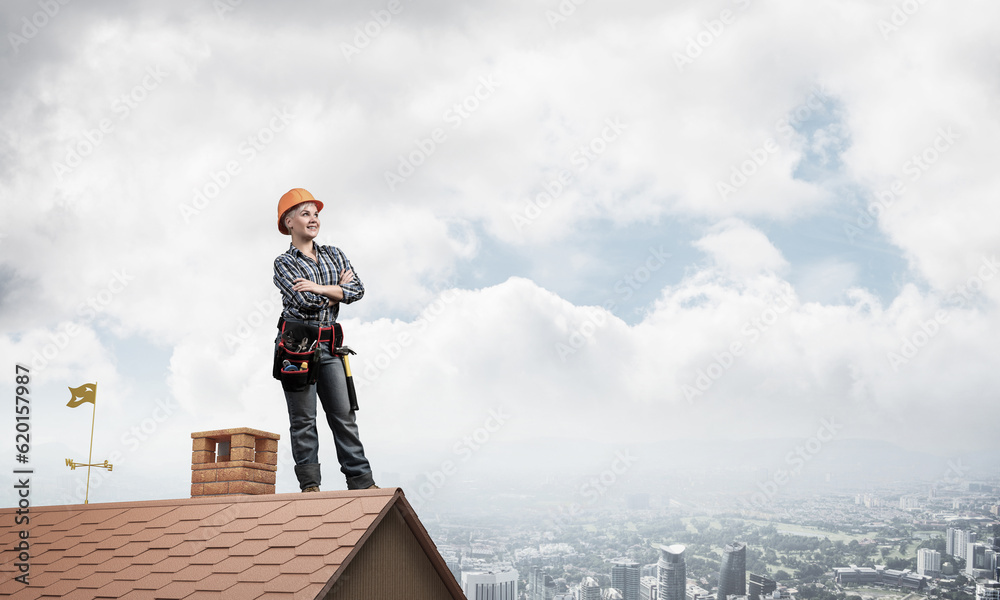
733 572
671 573
759 586
975 560
928 562
533 576
988 590
647 588
981 561
963 538
957 542
589 589
696 592
540 585
490 585
625 578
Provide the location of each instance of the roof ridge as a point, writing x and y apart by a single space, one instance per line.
287 496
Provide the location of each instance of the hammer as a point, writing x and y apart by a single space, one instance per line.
352 395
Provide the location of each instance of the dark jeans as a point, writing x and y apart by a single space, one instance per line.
331 387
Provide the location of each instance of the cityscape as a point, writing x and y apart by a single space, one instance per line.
913 541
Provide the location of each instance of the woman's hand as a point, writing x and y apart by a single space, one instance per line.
307 285
333 293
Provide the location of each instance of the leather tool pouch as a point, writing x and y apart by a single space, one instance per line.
298 344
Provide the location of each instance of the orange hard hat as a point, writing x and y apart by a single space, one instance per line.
290 200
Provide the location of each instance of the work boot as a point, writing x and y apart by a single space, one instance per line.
308 476
313 488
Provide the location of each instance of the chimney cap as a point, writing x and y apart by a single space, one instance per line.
220 433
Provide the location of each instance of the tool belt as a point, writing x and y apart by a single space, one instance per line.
296 355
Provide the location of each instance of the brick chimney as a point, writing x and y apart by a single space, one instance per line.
233 462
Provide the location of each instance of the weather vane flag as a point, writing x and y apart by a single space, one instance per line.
80 395
85 393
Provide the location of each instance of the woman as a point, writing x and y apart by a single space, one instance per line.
314 280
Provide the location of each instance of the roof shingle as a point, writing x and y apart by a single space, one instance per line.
254 547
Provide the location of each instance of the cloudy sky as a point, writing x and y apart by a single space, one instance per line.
616 221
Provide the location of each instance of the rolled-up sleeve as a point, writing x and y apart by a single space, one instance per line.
354 290
285 272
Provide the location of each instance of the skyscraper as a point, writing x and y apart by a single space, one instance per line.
980 561
536 584
928 562
589 589
988 590
540 585
733 572
957 542
490 585
625 578
759 586
549 589
671 573
647 588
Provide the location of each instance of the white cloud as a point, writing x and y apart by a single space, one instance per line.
741 250
587 122
826 282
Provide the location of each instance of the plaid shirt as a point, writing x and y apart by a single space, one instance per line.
293 264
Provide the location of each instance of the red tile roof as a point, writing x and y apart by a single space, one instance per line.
268 546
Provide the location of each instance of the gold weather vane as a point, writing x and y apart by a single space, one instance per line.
79 395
